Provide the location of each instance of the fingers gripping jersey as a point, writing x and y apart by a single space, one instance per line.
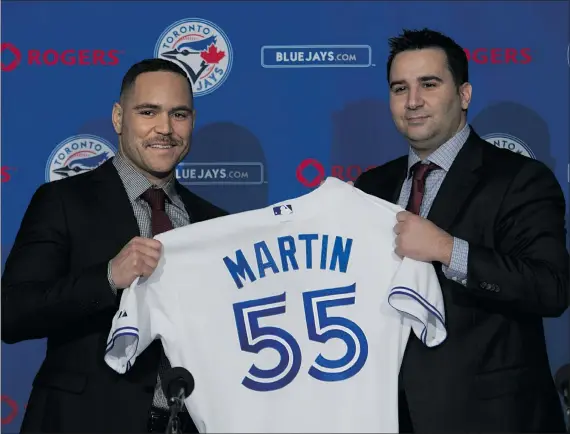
291 318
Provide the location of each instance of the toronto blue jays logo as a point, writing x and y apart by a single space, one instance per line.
77 154
201 48
510 142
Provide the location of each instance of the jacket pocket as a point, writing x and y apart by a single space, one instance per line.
67 381
503 382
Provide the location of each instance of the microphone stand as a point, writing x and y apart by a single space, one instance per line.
566 397
177 383
562 382
175 403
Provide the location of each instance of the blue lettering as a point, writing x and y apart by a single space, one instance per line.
309 238
261 264
239 269
335 257
287 253
324 251
340 254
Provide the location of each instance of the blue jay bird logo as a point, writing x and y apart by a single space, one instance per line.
201 48
76 155
184 52
80 165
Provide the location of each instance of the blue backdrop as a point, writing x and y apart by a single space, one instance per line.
272 119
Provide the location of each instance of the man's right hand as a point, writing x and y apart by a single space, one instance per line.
138 258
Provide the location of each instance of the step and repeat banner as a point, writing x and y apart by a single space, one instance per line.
287 93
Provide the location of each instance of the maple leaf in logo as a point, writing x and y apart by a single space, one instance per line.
212 55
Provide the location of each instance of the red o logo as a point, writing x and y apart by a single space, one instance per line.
317 179
10 415
17 56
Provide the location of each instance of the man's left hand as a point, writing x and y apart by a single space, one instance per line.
419 239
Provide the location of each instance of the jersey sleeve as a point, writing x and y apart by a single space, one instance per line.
415 292
140 320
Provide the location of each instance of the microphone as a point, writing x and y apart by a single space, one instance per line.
177 384
562 382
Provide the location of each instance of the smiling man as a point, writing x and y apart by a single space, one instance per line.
492 223
85 238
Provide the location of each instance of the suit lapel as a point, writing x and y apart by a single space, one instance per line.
189 202
458 184
114 204
399 178
389 184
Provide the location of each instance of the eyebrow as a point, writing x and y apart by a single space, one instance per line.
422 79
431 78
179 108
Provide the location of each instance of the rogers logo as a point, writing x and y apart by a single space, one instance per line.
499 55
345 173
17 56
13 410
6 173
70 57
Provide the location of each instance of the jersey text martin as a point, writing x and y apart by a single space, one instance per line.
289 252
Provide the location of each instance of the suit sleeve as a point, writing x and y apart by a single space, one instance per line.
147 312
40 295
527 271
415 292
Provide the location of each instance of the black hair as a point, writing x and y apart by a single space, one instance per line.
150 65
418 39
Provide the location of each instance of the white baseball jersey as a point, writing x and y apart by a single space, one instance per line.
291 318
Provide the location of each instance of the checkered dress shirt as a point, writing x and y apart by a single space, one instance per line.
136 184
443 157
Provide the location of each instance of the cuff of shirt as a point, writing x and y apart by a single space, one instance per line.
457 270
110 279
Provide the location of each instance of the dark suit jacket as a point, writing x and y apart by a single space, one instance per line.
55 285
492 373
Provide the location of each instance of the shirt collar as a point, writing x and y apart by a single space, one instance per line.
136 183
446 153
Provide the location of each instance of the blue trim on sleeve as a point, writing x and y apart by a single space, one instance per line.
413 294
121 331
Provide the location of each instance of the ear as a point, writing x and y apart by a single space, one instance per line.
117 118
465 93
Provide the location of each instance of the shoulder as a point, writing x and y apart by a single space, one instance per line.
200 208
379 174
512 178
77 184
500 163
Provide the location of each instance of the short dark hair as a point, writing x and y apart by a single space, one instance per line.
150 65
426 38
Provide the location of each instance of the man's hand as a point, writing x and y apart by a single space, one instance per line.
138 258
419 239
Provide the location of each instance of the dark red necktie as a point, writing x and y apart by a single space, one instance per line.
156 198
420 173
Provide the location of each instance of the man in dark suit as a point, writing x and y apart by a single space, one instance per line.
84 239
492 223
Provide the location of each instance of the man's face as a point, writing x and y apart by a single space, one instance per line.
425 103
155 123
